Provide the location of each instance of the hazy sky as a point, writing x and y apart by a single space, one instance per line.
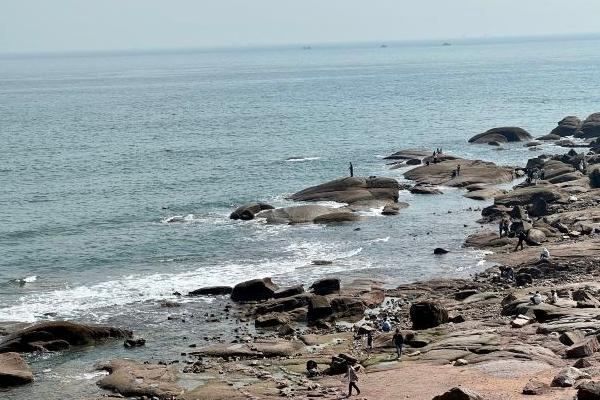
59 25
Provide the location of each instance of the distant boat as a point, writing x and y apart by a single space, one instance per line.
383 46
446 44
306 47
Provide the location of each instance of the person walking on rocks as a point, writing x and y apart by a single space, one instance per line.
351 168
398 340
352 378
369 343
522 237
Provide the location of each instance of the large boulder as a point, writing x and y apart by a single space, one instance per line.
211 291
351 189
458 393
254 290
568 126
351 308
585 348
326 286
590 127
535 237
342 216
567 377
59 334
248 211
588 391
318 308
14 371
409 154
502 135
471 172
527 195
428 314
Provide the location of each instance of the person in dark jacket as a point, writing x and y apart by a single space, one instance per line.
522 237
398 340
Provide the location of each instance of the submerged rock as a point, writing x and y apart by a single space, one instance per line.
14 371
45 335
301 214
248 211
212 291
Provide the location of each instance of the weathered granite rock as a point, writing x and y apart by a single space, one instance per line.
351 308
289 291
568 126
300 214
569 338
341 216
318 308
425 189
588 391
248 211
254 290
130 378
567 377
459 393
212 291
502 135
14 371
535 387
350 190
471 172
590 127
36 337
584 348
408 154
428 314
526 195
325 286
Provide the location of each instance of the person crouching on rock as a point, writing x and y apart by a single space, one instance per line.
352 378
545 255
398 340
537 298
522 237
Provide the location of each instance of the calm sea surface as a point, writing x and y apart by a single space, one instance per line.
98 149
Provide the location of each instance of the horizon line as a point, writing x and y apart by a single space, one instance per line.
290 45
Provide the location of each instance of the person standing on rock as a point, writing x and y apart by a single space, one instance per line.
398 340
352 378
522 237
501 227
458 170
351 168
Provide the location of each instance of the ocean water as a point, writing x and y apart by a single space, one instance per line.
99 149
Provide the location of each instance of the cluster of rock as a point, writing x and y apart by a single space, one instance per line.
47 337
357 193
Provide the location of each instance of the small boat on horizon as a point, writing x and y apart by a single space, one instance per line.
446 44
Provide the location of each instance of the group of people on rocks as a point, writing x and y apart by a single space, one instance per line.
533 174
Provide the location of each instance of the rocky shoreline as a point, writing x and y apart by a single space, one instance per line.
478 338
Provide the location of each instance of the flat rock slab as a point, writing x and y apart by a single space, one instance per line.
272 348
14 371
130 378
471 172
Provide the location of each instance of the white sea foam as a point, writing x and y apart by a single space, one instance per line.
103 299
385 239
30 279
301 159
